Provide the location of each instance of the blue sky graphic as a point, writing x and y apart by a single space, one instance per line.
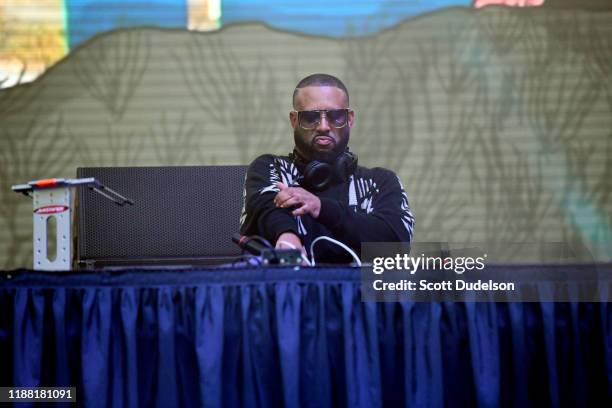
339 18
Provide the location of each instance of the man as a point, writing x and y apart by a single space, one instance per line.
319 189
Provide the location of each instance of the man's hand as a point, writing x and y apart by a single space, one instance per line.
304 201
288 240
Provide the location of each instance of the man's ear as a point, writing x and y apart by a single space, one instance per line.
293 119
351 118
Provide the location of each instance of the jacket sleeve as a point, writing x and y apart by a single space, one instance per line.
387 216
259 215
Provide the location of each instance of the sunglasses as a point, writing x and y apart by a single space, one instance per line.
310 119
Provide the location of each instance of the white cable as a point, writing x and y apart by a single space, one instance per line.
305 259
290 245
340 244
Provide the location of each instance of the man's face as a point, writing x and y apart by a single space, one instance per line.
324 142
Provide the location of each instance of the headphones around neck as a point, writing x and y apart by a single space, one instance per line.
318 175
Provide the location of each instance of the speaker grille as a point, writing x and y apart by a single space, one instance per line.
178 212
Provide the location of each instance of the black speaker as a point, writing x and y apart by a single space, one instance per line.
182 216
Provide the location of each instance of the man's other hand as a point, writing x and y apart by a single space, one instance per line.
288 240
303 201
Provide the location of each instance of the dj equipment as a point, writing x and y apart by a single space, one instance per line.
266 253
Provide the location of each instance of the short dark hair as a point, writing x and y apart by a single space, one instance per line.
320 80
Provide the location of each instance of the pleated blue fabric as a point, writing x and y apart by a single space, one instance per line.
293 338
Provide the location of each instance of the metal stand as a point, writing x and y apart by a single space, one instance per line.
52 199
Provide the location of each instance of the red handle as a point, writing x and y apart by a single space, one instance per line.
46 183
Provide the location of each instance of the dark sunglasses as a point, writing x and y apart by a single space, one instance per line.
310 119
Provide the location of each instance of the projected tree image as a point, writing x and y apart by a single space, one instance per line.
497 120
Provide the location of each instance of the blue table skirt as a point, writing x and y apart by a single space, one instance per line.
284 337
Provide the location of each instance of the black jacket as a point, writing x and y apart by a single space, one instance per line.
371 206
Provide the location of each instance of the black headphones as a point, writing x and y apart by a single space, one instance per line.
317 175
